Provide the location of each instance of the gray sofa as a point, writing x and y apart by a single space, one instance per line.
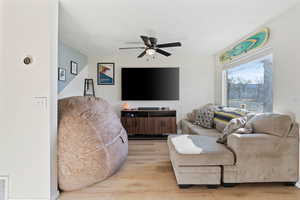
268 156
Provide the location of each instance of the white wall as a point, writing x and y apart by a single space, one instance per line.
196 79
27 129
1 61
284 42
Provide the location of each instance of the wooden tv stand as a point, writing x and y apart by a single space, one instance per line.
145 122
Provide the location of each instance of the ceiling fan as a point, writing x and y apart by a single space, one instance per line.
151 47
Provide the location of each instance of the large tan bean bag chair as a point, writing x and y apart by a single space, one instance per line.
92 143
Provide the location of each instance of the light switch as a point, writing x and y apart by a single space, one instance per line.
41 102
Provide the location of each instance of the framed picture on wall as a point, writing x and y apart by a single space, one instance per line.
62 74
106 73
74 68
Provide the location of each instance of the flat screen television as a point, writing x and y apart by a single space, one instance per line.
140 84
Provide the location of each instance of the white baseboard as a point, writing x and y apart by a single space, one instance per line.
298 185
53 197
25 199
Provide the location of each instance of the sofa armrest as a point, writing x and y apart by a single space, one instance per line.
262 158
258 147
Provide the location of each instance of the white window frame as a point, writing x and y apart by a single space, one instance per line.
258 55
224 87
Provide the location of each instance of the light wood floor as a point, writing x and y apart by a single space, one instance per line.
147 175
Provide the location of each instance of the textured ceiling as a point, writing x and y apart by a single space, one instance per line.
99 27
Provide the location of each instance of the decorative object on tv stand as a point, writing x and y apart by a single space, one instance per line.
254 41
89 89
61 74
125 106
151 47
74 68
106 73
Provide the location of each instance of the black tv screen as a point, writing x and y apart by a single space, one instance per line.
150 83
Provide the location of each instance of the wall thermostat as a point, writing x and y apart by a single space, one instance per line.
27 60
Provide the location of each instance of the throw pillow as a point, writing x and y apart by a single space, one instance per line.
205 116
236 125
223 116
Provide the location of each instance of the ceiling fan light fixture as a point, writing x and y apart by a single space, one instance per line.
150 52
151 47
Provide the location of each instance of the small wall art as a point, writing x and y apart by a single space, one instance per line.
106 73
74 68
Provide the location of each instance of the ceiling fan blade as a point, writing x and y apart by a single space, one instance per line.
163 52
153 41
174 44
142 54
132 48
146 40
134 43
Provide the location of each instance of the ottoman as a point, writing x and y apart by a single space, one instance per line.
197 160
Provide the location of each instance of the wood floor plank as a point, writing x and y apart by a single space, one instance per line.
148 175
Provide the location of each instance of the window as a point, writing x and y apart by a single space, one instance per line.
249 85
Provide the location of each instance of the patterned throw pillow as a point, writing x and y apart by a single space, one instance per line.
236 125
205 116
222 117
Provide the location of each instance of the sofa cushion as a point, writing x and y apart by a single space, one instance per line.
194 150
190 128
198 130
271 123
